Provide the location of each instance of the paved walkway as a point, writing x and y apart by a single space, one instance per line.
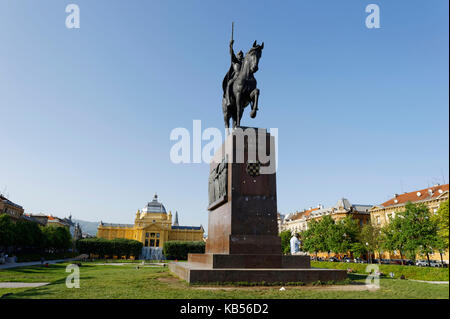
22 284
431 282
32 263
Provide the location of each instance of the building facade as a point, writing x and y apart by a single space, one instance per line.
152 226
298 221
431 197
50 220
14 210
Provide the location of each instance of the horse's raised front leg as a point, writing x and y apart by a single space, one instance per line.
254 96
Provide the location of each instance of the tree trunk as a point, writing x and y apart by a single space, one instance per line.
401 257
428 259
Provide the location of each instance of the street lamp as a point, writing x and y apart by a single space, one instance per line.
369 257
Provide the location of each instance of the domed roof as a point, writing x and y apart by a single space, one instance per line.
154 206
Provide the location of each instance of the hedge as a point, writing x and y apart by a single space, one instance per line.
110 247
180 249
410 272
37 257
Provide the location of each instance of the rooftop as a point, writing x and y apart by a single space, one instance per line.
416 196
7 201
154 206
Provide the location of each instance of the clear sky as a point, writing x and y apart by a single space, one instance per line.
86 113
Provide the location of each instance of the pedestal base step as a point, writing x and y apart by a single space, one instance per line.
198 273
250 261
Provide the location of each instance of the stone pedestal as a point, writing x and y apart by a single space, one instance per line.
243 242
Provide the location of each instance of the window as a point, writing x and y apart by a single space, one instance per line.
146 234
157 235
152 242
152 235
146 242
378 220
157 243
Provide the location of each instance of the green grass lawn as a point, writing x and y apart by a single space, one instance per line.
98 281
410 272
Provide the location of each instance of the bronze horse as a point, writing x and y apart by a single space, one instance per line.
243 90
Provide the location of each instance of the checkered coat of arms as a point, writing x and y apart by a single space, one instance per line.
253 168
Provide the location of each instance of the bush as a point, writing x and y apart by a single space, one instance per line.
102 247
180 249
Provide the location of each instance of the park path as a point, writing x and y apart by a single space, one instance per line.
22 284
431 282
33 263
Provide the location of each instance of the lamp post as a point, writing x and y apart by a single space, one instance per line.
369 257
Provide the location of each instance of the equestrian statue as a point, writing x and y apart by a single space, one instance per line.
239 84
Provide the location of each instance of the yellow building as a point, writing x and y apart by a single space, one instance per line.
432 197
152 226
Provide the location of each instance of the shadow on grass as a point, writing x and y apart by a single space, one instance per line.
39 291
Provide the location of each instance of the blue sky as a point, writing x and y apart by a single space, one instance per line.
86 113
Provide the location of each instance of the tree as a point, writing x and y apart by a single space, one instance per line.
370 236
419 230
359 249
320 235
441 218
285 241
57 238
393 236
345 234
6 231
27 234
441 246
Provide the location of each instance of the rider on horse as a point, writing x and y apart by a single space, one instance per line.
233 72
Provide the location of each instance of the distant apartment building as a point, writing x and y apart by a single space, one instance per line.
432 197
298 221
14 210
